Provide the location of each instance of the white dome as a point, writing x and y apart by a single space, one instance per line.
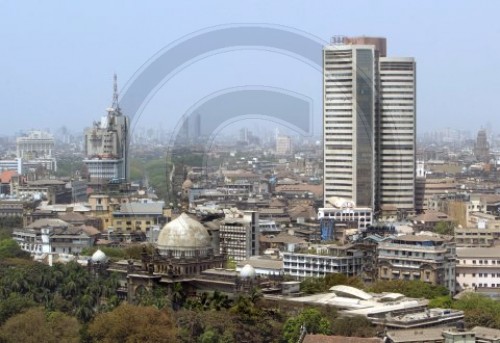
99 256
247 272
184 234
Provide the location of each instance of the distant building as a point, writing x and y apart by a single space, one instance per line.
139 216
54 236
106 146
326 259
283 145
239 236
482 147
359 217
37 148
418 257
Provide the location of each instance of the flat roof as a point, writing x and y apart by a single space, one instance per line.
493 252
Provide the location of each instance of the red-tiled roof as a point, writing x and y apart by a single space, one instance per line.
7 175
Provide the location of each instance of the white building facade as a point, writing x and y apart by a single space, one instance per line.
478 268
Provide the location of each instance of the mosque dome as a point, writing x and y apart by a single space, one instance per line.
184 237
187 184
99 256
247 272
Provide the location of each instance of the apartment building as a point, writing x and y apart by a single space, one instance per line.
360 217
239 236
431 259
322 260
478 268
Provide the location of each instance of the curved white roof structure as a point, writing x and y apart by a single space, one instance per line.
350 292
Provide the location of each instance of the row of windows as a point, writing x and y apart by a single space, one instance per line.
483 262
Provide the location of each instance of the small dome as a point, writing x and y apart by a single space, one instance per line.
247 272
99 256
187 184
184 234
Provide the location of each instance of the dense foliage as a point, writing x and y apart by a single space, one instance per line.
413 288
39 303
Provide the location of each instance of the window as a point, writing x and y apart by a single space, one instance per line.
473 274
473 261
480 274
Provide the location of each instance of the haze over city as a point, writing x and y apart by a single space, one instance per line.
59 58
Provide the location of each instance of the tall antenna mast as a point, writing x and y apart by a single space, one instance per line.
115 105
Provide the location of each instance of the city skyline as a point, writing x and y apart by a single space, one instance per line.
50 72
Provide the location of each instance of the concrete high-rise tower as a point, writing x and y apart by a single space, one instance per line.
106 145
369 124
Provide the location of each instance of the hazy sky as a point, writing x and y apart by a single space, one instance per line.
58 57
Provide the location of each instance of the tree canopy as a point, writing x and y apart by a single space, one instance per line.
133 324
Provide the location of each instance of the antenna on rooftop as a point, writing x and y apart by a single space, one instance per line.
115 104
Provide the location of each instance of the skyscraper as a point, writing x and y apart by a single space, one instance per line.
369 124
106 145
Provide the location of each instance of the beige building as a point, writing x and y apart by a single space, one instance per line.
418 257
283 145
239 236
474 237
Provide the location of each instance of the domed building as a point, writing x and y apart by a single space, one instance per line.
99 257
184 237
184 248
248 272
188 253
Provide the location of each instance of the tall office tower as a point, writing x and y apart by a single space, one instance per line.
482 147
106 145
369 124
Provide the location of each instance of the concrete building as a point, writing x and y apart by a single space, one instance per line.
36 149
482 147
418 257
283 145
239 236
476 238
478 268
326 259
359 217
54 236
106 145
139 216
369 124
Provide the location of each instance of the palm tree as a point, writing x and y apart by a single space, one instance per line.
255 295
178 296
219 301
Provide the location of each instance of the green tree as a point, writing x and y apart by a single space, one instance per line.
209 336
312 319
130 323
14 304
10 249
444 228
357 326
35 325
410 288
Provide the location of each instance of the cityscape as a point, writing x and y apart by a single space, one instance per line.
362 205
